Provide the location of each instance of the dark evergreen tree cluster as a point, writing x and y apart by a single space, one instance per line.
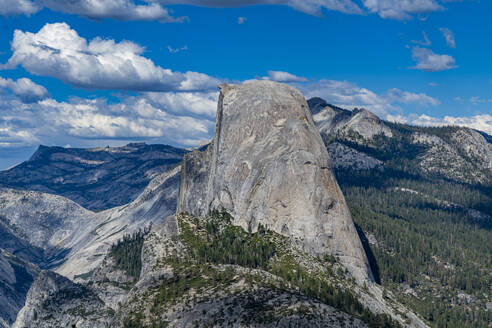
127 253
227 244
217 241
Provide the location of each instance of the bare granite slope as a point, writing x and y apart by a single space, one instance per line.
56 233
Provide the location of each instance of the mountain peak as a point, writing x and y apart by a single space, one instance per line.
267 165
316 104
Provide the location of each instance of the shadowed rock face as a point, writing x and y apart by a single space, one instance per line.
55 301
16 276
268 165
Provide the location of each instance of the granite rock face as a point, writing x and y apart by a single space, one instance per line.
55 301
57 233
41 226
52 232
463 155
358 125
16 276
345 157
358 139
151 207
268 165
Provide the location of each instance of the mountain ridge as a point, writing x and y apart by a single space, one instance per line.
421 203
56 233
458 153
96 178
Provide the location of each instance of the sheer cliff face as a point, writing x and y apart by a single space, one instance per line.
268 165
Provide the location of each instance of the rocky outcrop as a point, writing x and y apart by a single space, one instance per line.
317 104
344 157
55 301
268 165
47 224
95 178
62 235
16 276
358 125
152 207
462 155
358 139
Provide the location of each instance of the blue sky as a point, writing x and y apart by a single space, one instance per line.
87 73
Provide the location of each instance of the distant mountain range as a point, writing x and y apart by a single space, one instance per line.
95 178
453 153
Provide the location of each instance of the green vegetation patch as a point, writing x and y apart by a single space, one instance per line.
127 253
219 255
215 240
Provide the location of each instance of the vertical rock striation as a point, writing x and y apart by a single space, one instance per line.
268 165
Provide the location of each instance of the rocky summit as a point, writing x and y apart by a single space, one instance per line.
267 165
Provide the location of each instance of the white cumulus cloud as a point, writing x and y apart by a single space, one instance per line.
429 61
195 103
152 10
401 9
97 121
481 122
25 89
405 97
280 76
349 95
124 10
58 51
18 7
312 7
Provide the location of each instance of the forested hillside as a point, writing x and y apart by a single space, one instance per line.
424 212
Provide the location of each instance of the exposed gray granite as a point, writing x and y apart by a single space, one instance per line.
345 157
16 276
55 301
268 165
